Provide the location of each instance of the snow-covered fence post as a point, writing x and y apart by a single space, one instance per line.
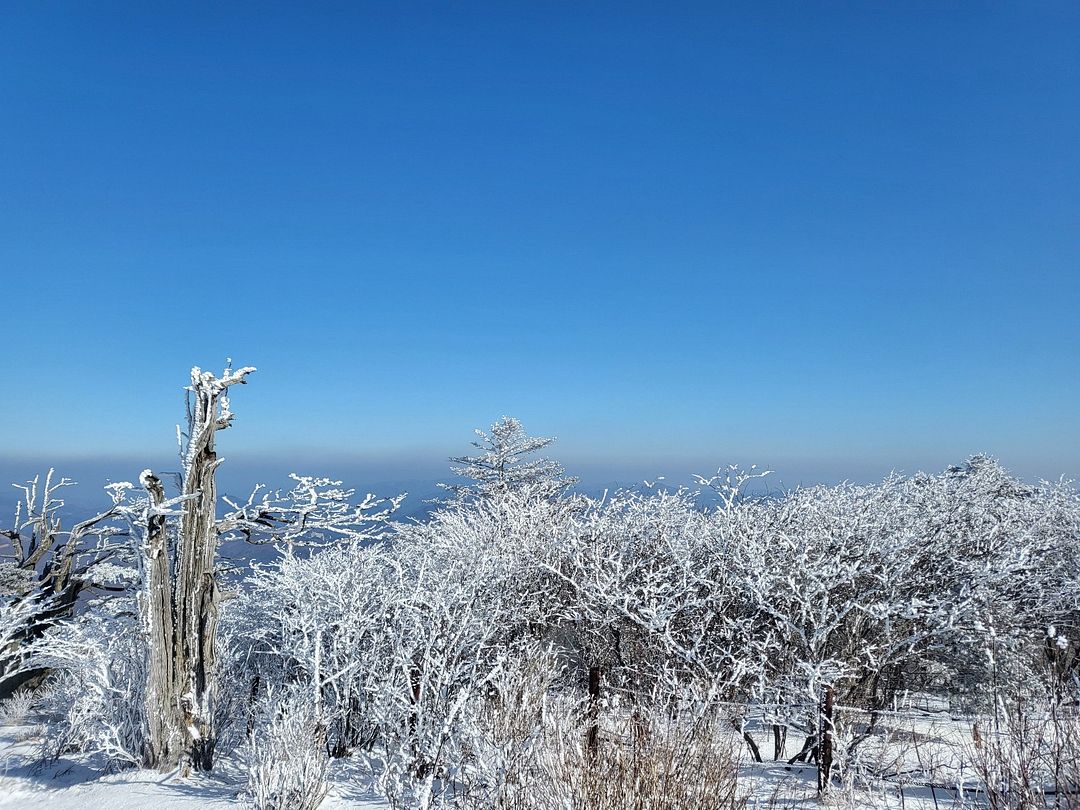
825 722
182 600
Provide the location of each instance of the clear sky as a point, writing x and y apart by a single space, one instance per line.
831 238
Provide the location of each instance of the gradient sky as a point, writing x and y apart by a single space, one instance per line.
831 238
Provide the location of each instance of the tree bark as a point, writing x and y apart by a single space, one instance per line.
166 737
182 598
196 599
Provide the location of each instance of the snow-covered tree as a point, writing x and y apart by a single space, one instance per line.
45 569
181 594
504 464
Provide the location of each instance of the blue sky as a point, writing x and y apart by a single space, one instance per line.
831 238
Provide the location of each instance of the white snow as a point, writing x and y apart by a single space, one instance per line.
76 784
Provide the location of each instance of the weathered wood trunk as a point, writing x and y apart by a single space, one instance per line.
196 597
182 596
165 745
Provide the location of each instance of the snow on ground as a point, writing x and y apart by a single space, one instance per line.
777 785
70 784
73 784
918 748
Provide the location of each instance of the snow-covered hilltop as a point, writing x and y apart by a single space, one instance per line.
913 640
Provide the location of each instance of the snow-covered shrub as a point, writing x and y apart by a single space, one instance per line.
502 733
1028 756
22 618
94 693
650 758
1007 551
321 621
287 760
47 570
444 652
18 708
863 591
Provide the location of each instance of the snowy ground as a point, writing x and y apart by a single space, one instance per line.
71 784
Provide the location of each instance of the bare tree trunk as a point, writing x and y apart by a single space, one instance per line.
755 752
779 740
808 752
182 602
166 737
196 597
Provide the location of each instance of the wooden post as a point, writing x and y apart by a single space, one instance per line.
592 737
826 724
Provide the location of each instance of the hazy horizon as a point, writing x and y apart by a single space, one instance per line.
392 475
